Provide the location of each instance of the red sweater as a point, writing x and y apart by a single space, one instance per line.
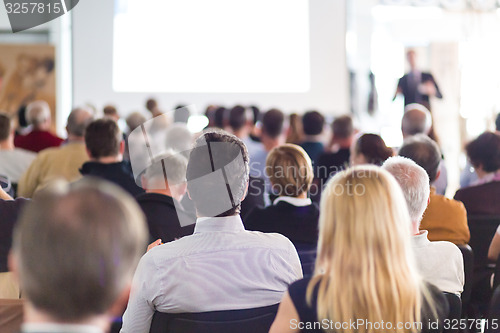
37 140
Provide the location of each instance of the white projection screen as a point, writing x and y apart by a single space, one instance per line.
271 53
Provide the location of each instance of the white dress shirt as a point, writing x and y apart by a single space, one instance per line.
220 267
59 328
440 263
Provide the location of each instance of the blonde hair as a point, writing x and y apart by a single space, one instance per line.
365 267
289 169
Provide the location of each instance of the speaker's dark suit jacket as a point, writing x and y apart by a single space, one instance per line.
411 93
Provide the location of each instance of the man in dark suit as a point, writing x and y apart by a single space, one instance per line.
417 86
75 251
165 183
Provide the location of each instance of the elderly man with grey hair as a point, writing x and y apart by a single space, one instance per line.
165 185
39 117
440 263
75 251
59 162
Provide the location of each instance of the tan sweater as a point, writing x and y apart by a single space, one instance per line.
53 163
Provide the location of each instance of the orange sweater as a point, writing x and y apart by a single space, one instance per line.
446 220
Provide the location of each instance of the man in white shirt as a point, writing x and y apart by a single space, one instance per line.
75 250
13 161
440 263
221 266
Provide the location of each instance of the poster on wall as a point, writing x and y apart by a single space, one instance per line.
26 74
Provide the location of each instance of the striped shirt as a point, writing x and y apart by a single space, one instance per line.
220 267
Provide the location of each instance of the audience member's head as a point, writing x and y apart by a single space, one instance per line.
110 111
38 115
217 174
134 120
151 104
425 152
313 123
484 153
103 138
167 175
256 113
178 137
75 251
181 114
370 149
364 238
273 123
78 120
343 131
240 118
5 127
416 120
295 133
497 123
220 120
414 182
290 171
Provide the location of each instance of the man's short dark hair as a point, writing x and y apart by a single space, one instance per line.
272 123
217 154
110 110
485 151
103 138
5 126
342 127
220 117
313 122
76 248
497 123
237 117
425 152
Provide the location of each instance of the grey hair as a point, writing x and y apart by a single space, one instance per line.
170 167
414 182
178 137
37 112
78 120
416 120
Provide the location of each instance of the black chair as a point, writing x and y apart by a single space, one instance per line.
468 256
307 256
257 320
482 229
455 313
493 322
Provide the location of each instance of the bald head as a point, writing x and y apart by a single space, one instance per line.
78 120
414 182
416 120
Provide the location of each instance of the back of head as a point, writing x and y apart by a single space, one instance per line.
289 169
181 114
416 120
273 123
414 182
5 126
110 111
168 168
497 123
217 174
103 138
178 137
76 248
134 120
238 117
425 152
78 120
37 113
484 151
373 148
342 127
220 117
312 123
365 261
151 104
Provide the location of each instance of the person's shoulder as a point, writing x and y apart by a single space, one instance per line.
270 240
447 203
447 248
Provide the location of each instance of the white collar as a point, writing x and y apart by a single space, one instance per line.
60 328
213 224
297 202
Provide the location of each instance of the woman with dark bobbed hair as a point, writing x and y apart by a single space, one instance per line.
370 149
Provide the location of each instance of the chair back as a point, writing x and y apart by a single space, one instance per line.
494 312
468 256
11 315
482 229
455 313
256 320
307 256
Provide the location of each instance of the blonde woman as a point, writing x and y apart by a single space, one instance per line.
366 279
292 213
